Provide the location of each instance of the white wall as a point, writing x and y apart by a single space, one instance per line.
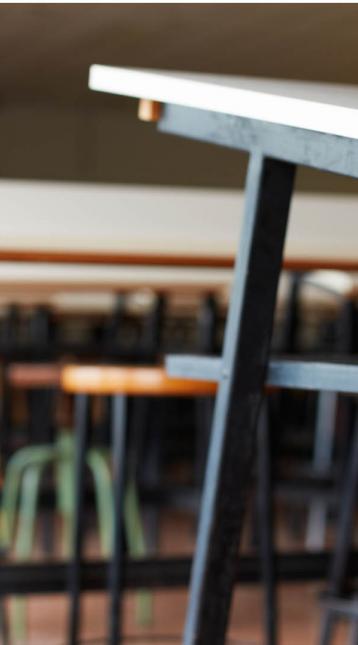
60 215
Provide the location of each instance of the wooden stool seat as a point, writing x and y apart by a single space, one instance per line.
132 381
33 376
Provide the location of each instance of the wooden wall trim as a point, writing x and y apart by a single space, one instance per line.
164 260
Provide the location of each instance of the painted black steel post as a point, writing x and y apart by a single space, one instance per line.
344 537
116 562
82 431
266 522
245 355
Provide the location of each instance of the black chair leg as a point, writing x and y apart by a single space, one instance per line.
4 626
82 431
151 474
115 565
344 537
353 636
265 525
328 624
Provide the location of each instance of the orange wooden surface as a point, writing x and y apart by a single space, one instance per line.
133 381
107 379
33 376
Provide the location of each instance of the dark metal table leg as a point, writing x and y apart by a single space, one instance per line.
344 535
246 346
81 439
115 568
265 525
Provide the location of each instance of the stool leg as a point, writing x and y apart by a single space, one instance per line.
115 571
265 512
137 548
344 534
26 465
353 636
328 625
150 439
65 486
81 439
24 541
98 464
322 463
9 500
23 458
132 519
27 512
13 474
4 627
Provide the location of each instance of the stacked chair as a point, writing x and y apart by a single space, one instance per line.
48 446
328 479
51 446
123 449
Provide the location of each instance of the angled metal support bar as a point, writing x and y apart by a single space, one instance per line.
233 435
302 147
284 373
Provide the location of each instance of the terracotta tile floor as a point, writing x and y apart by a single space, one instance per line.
299 609
298 605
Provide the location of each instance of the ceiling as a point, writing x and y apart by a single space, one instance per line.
46 49
53 127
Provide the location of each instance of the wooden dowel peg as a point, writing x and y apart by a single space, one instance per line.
149 110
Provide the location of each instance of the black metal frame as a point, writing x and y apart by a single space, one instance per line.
241 373
303 374
319 150
266 522
245 355
339 565
75 568
115 568
52 577
274 150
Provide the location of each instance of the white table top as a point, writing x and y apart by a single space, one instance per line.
321 107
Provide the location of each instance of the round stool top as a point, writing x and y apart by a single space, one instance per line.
133 381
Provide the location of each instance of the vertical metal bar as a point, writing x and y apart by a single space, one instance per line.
346 517
115 568
265 520
344 535
246 346
322 464
81 441
4 626
151 465
328 626
353 636
291 324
